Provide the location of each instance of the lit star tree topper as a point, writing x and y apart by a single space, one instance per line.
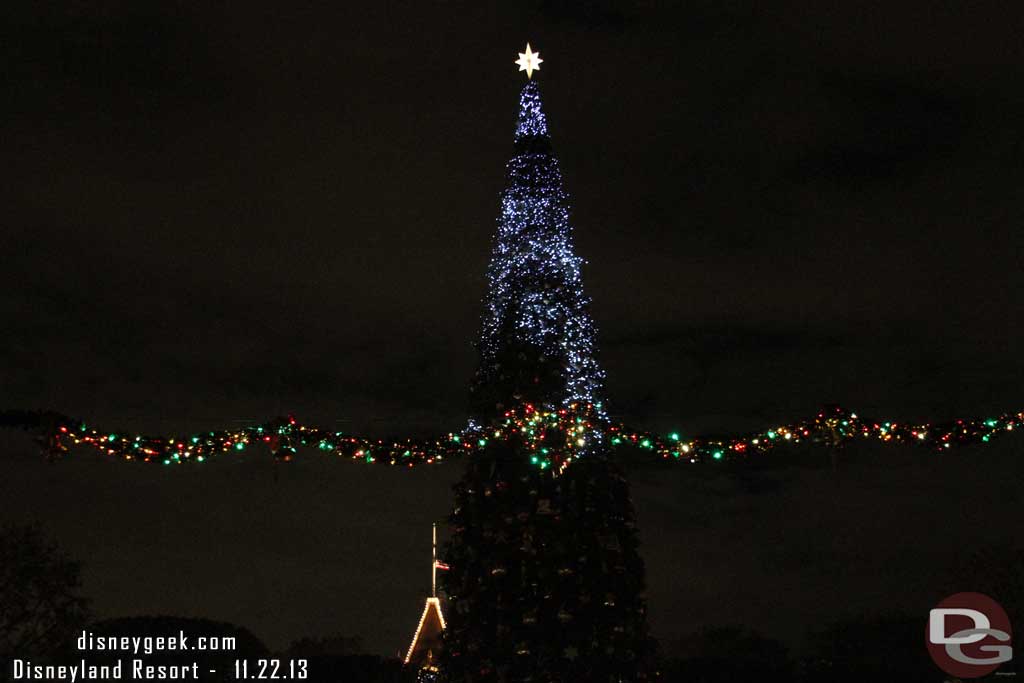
529 61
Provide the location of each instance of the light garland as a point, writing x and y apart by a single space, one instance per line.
551 439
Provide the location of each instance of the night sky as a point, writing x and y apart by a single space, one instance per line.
216 215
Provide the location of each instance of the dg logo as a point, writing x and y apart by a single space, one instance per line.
968 635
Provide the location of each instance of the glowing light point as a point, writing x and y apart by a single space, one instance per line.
529 61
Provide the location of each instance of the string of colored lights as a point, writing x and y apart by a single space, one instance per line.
550 439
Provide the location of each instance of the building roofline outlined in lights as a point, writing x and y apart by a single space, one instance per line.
427 638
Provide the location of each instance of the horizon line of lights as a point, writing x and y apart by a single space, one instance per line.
550 438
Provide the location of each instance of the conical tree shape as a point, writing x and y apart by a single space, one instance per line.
546 581
537 341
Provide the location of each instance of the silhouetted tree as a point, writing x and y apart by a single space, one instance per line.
41 607
885 648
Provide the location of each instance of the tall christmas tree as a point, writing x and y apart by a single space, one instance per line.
546 581
537 342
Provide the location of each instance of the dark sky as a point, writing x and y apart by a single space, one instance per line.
217 214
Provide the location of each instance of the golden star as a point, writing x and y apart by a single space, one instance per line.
529 61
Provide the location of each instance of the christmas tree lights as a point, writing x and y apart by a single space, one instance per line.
548 439
537 341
